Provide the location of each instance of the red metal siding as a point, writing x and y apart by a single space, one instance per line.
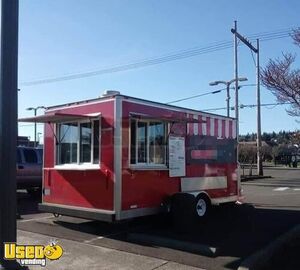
89 188
148 188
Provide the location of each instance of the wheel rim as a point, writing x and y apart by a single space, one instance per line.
201 207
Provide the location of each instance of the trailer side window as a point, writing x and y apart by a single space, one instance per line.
142 142
96 141
157 143
133 142
78 142
148 142
85 142
67 148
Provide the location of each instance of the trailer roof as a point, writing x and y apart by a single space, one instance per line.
166 119
55 117
131 98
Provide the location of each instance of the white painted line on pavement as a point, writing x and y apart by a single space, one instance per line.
296 189
281 189
33 219
101 237
93 239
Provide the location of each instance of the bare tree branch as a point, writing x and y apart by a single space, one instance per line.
284 82
296 36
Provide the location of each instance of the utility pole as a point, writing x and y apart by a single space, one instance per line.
236 85
256 50
8 125
236 105
259 159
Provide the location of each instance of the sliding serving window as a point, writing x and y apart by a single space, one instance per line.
148 142
68 143
78 142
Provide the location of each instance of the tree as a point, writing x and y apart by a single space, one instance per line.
247 154
284 81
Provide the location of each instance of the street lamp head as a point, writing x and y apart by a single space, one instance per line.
213 83
217 82
242 79
36 108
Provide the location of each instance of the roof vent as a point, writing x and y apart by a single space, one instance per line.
108 93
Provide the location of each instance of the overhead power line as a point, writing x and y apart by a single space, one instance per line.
195 96
265 36
250 106
207 93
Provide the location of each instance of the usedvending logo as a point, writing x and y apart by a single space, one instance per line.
32 254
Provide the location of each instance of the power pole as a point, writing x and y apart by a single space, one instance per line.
256 50
236 82
8 124
259 159
236 76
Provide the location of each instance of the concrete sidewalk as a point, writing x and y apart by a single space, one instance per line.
79 255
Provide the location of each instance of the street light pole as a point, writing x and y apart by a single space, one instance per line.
35 127
35 113
228 83
228 99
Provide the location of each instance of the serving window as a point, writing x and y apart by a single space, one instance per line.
148 142
78 142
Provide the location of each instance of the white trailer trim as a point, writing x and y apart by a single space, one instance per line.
189 184
217 201
117 197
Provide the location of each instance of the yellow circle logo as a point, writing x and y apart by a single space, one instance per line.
53 252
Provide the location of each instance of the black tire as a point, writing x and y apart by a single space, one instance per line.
34 192
181 211
201 207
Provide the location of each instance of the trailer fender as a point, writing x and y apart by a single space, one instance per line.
196 193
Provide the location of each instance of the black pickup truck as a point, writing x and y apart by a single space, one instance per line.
29 168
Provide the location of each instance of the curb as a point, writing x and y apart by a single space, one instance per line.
173 243
270 185
255 177
261 259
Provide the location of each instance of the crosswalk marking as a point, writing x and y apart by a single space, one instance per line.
285 188
281 188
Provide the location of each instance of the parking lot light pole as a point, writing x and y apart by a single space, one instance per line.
228 83
35 112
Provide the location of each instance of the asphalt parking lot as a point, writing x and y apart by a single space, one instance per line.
231 234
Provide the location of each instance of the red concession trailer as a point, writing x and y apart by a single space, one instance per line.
119 157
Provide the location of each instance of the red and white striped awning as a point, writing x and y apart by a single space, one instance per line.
212 126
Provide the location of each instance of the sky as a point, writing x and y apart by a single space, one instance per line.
61 37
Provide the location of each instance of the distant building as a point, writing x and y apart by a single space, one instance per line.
24 141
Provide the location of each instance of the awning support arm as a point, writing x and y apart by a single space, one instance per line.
56 140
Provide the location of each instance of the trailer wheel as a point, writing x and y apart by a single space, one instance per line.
202 206
181 211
